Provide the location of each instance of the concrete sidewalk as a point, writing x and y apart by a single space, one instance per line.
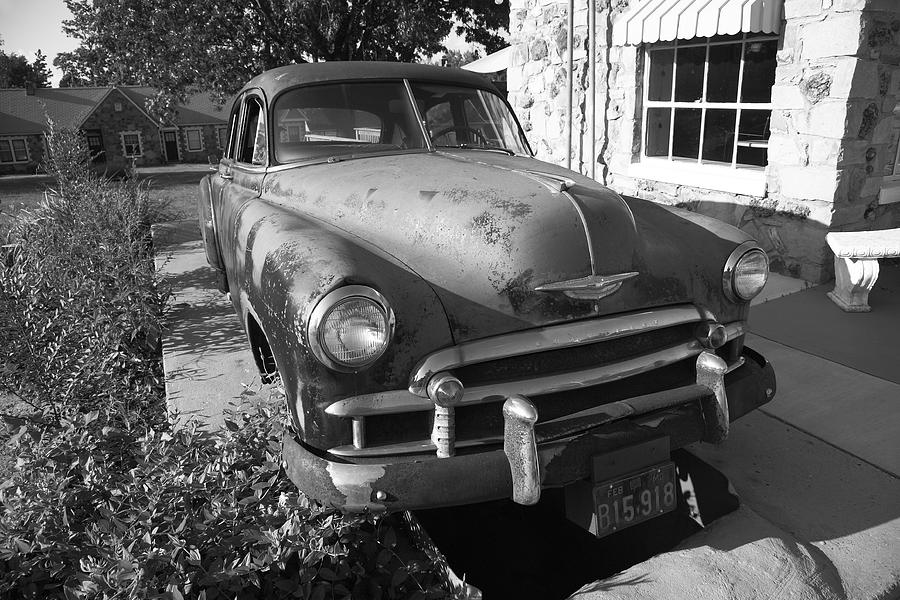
816 469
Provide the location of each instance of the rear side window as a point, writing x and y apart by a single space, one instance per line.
254 148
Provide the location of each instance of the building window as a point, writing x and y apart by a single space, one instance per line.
13 150
222 138
708 100
95 146
131 144
194 139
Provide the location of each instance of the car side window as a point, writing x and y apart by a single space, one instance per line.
254 147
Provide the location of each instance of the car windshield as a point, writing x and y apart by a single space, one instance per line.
464 117
337 119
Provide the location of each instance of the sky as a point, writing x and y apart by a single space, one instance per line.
29 25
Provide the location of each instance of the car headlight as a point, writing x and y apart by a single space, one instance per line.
350 328
745 273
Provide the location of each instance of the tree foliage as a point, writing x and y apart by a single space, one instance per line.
16 71
217 45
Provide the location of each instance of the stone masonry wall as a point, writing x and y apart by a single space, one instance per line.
832 131
36 149
111 122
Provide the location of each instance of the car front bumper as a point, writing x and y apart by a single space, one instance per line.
561 455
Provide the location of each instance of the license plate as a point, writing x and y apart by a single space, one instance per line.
621 503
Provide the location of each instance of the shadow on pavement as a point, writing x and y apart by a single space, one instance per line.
513 551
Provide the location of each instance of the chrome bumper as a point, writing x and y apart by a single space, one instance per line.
520 415
540 454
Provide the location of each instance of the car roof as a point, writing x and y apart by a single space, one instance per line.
275 80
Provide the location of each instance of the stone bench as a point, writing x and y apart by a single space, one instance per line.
856 255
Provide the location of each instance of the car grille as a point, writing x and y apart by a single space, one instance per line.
562 369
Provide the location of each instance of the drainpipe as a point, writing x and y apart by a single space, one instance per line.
571 82
592 35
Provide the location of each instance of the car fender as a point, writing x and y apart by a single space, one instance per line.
288 263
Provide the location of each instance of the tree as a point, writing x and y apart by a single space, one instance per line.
179 46
17 72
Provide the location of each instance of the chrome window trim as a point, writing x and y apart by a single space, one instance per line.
324 306
731 263
553 337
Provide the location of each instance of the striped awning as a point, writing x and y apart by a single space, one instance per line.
649 21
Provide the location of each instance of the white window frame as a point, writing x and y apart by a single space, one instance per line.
12 151
140 140
735 178
187 139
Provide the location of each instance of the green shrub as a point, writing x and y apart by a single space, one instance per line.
79 295
100 511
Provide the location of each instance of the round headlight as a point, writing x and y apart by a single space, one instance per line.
351 327
745 273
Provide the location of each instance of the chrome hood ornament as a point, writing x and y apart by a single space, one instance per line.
592 287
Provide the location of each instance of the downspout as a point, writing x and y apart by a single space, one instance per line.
571 82
592 35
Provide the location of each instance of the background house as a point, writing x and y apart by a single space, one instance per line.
119 130
778 116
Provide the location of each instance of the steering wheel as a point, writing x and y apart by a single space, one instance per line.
477 136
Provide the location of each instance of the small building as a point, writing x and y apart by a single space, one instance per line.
780 117
118 129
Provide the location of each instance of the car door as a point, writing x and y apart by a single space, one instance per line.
241 173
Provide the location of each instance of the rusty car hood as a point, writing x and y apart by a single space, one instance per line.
485 229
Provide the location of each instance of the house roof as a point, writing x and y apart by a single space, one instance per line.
22 114
68 107
199 109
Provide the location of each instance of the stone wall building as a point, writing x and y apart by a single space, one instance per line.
780 117
118 129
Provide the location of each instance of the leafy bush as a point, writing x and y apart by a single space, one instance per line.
100 511
106 501
79 294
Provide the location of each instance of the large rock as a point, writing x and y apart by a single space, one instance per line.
740 557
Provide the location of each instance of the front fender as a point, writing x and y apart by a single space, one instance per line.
289 263
208 228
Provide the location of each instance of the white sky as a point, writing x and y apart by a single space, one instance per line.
29 25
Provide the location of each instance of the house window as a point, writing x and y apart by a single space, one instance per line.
194 139
222 138
13 150
131 144
95 146
708 100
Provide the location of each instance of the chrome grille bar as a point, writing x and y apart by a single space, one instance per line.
402 401
553 337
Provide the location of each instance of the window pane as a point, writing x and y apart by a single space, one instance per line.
722 79
689 74
5 151
253 122
718 135
686 142
193 138
661 65
759 71
753 140
19 150
657 143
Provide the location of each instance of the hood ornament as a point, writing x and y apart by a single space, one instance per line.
592 287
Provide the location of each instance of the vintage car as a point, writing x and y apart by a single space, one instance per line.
455 321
